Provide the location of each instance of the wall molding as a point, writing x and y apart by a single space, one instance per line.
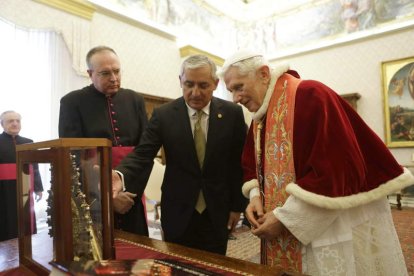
189 50
79 8
109 9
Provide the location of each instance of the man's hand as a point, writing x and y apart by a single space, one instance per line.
270 227
38 196
233 220
123 201
116 184
254 211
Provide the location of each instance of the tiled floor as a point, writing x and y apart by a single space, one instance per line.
404 224
244 246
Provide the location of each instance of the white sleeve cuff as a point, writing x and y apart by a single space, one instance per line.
248 186
306 222
254 192
121 175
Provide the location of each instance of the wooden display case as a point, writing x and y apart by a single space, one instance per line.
79 202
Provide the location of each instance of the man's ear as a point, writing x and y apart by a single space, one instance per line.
181 84
89 73
264 73
217 82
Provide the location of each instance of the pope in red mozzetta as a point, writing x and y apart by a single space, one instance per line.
317 176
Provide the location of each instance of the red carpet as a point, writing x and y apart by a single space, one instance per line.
404 223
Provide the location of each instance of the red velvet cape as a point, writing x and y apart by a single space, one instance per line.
335 153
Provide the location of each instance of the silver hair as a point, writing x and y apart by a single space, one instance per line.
197 61
2 115
247 66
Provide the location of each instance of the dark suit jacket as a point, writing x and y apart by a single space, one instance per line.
87 113
220 179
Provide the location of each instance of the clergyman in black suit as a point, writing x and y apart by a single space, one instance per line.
11 123
105 110
217 178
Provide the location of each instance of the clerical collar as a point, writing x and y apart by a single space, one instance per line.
103 94
275 73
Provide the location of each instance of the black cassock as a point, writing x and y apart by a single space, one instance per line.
8 190
121 118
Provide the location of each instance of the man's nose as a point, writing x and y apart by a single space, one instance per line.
196 90
113 76
236 97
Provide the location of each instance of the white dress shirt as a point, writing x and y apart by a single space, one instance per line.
192 114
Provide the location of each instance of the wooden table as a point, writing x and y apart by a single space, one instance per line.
9 256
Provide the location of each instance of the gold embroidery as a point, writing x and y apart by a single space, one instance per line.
278 170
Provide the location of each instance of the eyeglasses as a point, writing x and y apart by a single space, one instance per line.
108 74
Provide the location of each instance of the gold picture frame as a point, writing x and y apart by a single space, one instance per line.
398 91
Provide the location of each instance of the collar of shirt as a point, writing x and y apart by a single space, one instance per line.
204 121
192 111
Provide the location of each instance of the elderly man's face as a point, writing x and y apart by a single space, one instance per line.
198 86
11 123
105 72
248 90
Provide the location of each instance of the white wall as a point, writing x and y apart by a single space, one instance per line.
356 67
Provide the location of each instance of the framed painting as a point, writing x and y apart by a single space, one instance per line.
398 90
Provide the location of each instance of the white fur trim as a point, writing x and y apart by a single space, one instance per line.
247 186
276 72
345 202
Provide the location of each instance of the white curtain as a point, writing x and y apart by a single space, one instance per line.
36 71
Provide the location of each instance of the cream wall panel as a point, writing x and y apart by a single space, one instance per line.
356 67
150 63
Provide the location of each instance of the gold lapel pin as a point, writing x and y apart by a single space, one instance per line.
219 116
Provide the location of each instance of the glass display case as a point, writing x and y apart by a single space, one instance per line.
75 221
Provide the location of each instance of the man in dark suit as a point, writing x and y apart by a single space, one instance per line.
189 178
105 110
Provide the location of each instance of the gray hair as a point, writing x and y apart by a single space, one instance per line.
95 50
197 61
2 115
246 66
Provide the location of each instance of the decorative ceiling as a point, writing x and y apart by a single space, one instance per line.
248 10
274 27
